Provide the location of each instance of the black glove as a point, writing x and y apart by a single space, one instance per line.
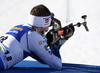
49 38
55 46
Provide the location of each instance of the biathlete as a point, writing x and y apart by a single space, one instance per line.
26 40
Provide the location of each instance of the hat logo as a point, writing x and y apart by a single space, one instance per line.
46 20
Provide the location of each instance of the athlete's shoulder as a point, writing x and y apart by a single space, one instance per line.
34 33
35 36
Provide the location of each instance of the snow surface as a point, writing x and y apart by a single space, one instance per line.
83 47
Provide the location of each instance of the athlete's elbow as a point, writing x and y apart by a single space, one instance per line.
58 66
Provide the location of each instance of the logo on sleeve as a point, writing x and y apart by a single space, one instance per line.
40 42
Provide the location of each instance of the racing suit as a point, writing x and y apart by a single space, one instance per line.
20 42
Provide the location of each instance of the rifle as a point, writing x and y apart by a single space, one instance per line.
57 32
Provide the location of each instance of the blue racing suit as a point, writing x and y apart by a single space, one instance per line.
20 42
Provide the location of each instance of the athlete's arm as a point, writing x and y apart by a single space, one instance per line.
37 44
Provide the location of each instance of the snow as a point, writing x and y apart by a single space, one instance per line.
83 47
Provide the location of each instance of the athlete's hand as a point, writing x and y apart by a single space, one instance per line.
49 38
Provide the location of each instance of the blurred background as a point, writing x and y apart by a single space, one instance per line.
83 47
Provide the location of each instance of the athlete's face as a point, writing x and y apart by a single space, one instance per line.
42 30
